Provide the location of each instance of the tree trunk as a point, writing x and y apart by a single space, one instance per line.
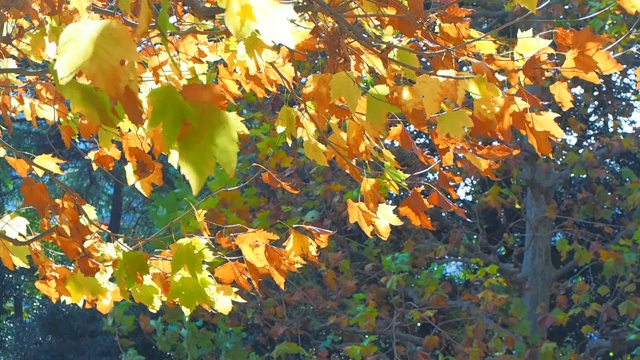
537 268
115 216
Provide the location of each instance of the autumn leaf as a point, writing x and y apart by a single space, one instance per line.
102 50
414 207
270 179
630 6
454 123
384 218
47 162
343 85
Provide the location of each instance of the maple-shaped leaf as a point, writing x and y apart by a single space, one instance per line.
378 108
147 292
14 226
211 139
384 219
102 50
223 297
300 247
453 123
562 94
170 109
36 195
527 46
14 256
49 163
286 122
19 165
359 213
320 236
414 207
343 85
190 253
189 292
315 151
272 19
270 179
530 5
630 6
93 103
131 268
83 287
233 271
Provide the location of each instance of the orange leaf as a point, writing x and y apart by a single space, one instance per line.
19 165
233 271
358 212
320 236
630 6
414 207
36 195
270 179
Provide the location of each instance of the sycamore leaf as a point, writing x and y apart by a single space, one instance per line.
358 213
378 107
211 139
270 179
286 122
562 94
49 162
300 247
14 226
171 110
630 6
270 18
189 292
148 293
132 267
93 103
315 151
414 207
343 85
102 50
530 5
191 253
384 218
453 123
84 287
19 165
527 46
233 271
14 256
223 297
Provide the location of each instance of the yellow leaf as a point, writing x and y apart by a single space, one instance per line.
527 46
315 151
343 85
14 256
630 6
103 50
222 296
544 121
454 123
300 247
270 18
385 218
530 5
48 162
144 19
562 94
81 6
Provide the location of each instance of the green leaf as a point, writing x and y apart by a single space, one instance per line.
80 286
344 85
191 253
171 110
133 266
93 103
378 107
189 292
288 348
518 308
454 123
148 293
410 59
211 139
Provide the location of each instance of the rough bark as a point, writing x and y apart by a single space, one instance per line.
537 268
